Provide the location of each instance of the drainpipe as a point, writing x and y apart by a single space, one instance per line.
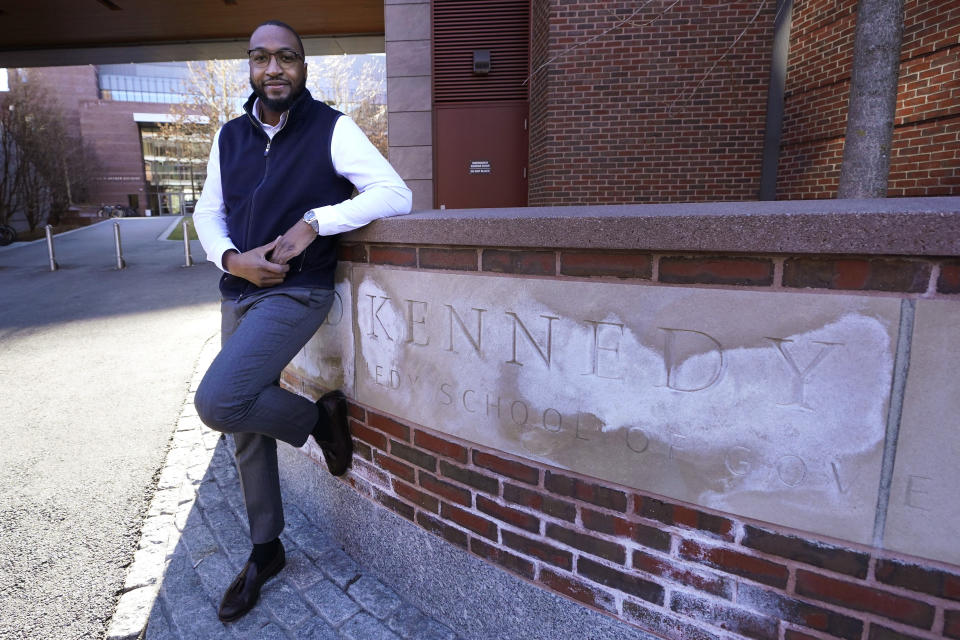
775 99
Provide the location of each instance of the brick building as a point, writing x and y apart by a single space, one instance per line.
660 102
926 154
114 110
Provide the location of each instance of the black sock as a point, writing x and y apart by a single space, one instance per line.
322 430
263 553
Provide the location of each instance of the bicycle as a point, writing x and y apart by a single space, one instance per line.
116 211
8 235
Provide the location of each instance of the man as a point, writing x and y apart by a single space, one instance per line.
277 193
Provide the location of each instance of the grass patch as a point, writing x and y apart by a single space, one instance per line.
177 233
41 232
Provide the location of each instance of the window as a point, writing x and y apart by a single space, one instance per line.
175 167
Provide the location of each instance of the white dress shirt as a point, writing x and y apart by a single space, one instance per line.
382 192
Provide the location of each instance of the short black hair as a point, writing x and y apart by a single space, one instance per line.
283 25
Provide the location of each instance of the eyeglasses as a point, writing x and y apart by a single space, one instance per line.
286 58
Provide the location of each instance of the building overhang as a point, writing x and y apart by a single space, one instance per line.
69 32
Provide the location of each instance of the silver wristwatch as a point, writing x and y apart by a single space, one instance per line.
310 217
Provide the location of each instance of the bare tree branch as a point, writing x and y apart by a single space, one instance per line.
357 92
622 22
42 165
684 95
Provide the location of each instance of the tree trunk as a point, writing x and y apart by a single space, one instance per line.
873 99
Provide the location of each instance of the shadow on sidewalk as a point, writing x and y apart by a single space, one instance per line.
88 284
213 545
321 594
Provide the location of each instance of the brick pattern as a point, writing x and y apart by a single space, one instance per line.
672 569
817 91
658 120
925 158
591 140
858 274
949 280
892 274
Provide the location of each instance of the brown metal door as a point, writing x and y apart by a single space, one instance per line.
481 155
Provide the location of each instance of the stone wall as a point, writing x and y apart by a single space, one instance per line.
700 442
409 120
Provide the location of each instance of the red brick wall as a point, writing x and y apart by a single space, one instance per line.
540 182
115 139
613 121
682 572
71 86
932 277
925 159
633 115
107 129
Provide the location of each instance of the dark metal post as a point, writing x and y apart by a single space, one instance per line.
775 99
116 237
53 262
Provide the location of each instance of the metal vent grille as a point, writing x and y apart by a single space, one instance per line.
460 27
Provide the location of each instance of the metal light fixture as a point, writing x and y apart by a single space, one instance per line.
481 62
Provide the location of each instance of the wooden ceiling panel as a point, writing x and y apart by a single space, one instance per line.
71 24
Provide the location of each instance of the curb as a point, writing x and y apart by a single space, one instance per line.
175 494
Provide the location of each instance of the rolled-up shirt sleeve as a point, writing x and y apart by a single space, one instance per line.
381 192
210 214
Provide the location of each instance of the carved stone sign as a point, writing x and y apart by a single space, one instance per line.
327 359
765 404
924 512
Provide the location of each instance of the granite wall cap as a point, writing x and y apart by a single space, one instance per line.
885 226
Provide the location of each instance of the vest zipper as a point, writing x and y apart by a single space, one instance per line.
266 168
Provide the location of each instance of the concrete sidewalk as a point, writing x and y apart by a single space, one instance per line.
94 366
95 370
195 540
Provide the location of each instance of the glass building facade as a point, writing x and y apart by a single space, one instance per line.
175 167
174 160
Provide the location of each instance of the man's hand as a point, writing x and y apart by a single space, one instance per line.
254 266
293 242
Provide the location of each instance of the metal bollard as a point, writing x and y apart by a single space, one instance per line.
116 237
53 263
187 258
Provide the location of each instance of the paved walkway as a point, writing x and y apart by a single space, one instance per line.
94 366
195 540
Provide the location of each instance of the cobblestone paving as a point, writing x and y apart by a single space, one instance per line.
195 540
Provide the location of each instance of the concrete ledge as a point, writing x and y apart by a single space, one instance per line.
477 600
892 226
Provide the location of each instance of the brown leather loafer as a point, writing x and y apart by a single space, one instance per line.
244 591
338 451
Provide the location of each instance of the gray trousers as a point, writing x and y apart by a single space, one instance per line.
240 392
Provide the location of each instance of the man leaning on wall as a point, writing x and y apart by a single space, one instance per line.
277 194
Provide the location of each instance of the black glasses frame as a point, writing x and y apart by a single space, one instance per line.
275 54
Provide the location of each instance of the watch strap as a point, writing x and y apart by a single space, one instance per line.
310 217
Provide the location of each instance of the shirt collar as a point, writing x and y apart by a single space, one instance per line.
276 127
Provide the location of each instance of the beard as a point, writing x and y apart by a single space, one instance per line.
282 104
